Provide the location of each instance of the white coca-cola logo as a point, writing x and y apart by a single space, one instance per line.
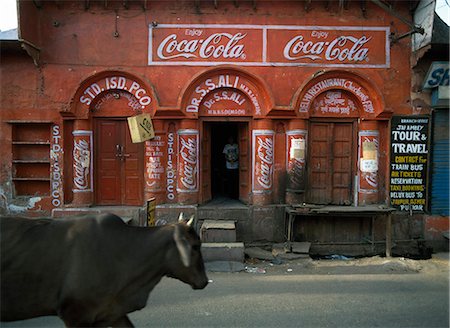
265 155
343 48
225 45
188 153
81 164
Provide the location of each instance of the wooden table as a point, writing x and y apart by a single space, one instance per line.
370 211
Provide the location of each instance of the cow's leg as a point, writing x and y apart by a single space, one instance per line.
123 322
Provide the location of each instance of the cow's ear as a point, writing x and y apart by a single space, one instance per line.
183 246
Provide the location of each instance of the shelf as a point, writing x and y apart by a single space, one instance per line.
31 161
31 179
29 122
31 142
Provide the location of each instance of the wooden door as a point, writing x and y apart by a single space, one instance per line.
206 163
330 163
244 160
119 165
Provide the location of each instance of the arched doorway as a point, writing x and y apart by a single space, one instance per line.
101 107
225 100
345 114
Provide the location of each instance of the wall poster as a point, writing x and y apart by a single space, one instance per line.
409 161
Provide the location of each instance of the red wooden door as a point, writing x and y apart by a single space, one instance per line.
119 165
330 163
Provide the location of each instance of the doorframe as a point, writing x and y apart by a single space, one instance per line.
208 119
354 152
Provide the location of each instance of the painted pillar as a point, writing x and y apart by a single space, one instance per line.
82 159
263 161
188 162
368 163
296 146
155 164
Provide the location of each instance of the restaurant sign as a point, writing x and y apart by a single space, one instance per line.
269 45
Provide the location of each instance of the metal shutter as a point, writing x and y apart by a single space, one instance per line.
440 163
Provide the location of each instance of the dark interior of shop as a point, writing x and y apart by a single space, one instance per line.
220 131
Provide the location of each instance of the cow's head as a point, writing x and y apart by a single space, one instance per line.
185 260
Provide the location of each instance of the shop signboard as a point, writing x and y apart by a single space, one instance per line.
269 45
409 162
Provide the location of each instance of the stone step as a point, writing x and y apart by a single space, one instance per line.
218 231
223 252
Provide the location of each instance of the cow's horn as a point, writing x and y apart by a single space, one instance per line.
180 217
191 220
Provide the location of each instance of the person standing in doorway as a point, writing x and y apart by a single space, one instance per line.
231 152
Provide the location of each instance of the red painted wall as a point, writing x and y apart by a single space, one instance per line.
77 45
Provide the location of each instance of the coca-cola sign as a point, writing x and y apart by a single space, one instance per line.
265 45
263 160
187 161
82 161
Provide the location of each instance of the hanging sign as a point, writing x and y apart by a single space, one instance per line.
409 160
141 128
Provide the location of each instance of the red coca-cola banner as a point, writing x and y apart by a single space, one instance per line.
188 160
262 45
263 161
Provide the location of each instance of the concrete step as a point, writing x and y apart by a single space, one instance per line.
223 252
218 231
238 214
129 214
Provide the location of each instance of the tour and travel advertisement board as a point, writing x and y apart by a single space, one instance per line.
409 162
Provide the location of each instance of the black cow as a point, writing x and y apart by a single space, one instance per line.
91 270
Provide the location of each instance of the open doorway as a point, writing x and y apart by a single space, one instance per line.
224 176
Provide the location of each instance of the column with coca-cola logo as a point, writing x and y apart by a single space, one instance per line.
296 146
263 154
82 163
368 162
188 163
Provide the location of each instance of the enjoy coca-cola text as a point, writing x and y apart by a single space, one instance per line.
343 48
225 45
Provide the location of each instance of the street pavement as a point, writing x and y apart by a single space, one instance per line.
375 292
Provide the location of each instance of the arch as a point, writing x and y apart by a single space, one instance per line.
352 86
240 85
108 84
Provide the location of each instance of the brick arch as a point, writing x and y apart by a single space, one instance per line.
368 98
95 88
226 78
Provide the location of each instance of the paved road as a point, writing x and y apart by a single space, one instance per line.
301 297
